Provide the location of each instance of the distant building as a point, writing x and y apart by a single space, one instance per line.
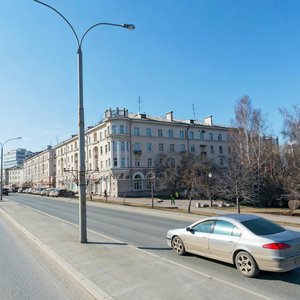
14 176
15 157
39 169
122 149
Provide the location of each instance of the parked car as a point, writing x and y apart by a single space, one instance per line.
249 242
61 193
5 191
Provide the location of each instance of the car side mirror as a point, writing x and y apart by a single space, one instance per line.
189 229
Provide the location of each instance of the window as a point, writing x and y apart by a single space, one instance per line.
137 163
122 130
101 150
205 226
123 162
172 147
219 137
221 149
221 162
261 226
226 228
137 146
193 148
191 135
113 129
148 132
160 132
100 138
122 146
115 162
212 150
149 147
202 135
171 133
136 131
137 182
182 147
114 146
105 148
149 162
161 147
211 136
182 134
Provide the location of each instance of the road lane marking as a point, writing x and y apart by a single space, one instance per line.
212 277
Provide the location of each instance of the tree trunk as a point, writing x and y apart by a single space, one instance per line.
190 202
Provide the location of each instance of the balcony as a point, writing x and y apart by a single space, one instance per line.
137 152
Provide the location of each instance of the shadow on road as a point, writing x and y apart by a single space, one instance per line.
290 277
155 248
106 243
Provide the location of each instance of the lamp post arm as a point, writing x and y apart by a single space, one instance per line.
98 24
55 10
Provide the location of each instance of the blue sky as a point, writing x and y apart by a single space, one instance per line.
206 53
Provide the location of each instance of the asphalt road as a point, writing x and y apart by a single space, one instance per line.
147 231
27 274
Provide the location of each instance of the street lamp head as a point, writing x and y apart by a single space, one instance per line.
128 26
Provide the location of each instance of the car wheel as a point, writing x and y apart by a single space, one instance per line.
178 246
246 264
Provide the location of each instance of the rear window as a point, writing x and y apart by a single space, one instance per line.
261 226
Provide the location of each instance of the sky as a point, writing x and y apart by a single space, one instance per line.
194 57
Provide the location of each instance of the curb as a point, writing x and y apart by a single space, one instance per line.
92 288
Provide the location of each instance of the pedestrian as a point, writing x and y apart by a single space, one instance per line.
105 195
172 199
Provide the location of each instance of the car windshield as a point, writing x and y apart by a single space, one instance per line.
260 226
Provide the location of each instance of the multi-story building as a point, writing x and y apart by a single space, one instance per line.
122 149
15 157
14 177
39 170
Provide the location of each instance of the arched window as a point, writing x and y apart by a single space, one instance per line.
137 182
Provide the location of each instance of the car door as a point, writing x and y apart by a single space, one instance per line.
223 239
196 239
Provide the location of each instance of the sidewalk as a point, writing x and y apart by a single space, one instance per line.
111 269
182 206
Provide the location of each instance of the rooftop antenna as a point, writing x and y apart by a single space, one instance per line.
139 101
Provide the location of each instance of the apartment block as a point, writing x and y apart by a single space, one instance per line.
15 177
39 169
121 151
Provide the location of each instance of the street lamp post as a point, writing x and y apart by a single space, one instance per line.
2 146
82 184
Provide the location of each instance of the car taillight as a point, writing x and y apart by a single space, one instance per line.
277 246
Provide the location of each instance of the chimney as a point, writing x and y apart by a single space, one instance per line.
208 121
169 116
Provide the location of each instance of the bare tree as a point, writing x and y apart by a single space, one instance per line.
249 154
167 172
190 169
291 133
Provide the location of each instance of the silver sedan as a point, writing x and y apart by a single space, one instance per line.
249 242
